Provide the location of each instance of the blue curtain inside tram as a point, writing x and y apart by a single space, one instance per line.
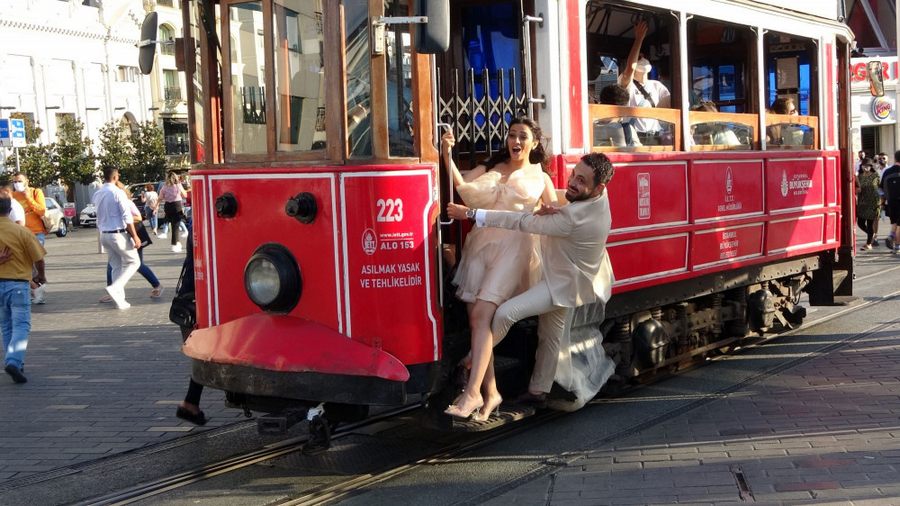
490 36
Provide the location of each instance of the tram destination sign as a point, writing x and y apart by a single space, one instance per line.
12 133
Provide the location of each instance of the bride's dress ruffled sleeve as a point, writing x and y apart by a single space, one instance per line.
483 192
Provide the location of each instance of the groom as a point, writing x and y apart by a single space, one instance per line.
576 268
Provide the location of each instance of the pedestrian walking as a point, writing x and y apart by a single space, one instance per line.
890 184
868 202
184 314
32 201
151 203
144 269
18 212
117 234
20 252
172 194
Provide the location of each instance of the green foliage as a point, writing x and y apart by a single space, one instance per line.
74 154
116 149
37 161
149 154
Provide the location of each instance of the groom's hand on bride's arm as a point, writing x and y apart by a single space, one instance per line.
456 211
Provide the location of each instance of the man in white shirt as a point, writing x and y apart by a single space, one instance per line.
644 92
114 221
17 214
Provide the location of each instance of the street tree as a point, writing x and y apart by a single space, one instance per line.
149 154
116 149
74 153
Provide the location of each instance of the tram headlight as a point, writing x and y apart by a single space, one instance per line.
272 279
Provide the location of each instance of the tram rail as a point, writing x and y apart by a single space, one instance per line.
330 493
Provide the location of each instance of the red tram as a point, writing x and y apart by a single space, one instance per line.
321 254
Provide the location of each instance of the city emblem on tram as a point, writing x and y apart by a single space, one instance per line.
643 188
729 180
369 242
784 184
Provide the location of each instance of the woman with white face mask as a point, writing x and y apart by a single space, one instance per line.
32 201
644 92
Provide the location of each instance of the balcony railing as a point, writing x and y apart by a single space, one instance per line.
173 93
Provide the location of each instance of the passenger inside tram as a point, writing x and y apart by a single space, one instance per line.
785 134
619 132
643 91
716 133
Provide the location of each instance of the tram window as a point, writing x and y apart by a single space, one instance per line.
720 57
633 49
791 88
711 130
399 81
247 67
299 75
194 78
359 78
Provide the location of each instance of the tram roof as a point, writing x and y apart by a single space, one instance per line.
811 18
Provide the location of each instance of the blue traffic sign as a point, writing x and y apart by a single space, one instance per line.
12 133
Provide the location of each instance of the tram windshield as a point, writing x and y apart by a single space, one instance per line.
279 61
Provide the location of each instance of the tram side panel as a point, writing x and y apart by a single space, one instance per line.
677 217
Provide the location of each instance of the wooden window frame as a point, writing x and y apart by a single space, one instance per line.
334 131
601 111
749 119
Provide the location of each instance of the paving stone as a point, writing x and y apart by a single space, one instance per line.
134 361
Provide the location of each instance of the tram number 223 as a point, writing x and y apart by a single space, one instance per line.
389 210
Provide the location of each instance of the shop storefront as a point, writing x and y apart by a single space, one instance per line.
874 119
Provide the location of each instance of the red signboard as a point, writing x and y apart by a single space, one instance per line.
635 261
726 189
795 233
649 194
793 184
710 248
389 281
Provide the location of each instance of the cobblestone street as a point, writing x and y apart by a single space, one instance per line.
100 381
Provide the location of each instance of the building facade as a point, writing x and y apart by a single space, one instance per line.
78 58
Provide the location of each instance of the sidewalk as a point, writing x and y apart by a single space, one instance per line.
100 380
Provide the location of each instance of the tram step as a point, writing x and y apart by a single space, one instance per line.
508 413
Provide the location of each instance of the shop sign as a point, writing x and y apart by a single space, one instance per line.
859 77
881 108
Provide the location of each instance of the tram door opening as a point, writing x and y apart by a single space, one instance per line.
481 88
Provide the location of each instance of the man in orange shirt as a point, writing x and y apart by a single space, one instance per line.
19 254
32 200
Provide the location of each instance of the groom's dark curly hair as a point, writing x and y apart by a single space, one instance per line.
602 167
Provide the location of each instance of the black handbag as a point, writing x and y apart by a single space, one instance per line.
183 310
142 234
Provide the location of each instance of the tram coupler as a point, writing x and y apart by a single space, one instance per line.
277 424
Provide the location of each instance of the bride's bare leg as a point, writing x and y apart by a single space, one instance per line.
480 316
489 392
